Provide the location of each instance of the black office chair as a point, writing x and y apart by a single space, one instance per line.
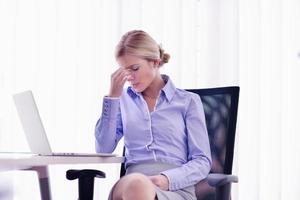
220 107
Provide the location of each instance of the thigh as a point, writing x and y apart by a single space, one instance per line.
182 194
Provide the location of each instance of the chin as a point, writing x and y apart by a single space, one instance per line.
138 89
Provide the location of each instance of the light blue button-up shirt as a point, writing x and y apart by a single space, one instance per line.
174 133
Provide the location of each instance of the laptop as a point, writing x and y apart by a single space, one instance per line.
34 130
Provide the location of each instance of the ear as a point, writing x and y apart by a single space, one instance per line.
156 62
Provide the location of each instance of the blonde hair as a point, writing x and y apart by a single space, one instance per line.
139 43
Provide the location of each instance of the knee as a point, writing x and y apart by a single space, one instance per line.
134 186
137 182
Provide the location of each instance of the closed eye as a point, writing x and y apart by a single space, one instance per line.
135 67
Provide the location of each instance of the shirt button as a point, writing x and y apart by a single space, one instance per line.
148 147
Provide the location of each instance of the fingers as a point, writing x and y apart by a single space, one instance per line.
160 181
120 74
154 180
118 79
117 74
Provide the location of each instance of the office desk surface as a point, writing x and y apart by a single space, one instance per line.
16 161
12 160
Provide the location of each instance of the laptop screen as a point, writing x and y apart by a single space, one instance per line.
32 123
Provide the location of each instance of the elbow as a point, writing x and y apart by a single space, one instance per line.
104 147
206 164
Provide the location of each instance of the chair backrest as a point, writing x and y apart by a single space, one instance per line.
220 107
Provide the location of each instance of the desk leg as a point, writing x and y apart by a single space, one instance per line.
43 176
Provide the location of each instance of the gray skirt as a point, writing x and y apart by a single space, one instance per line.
150 169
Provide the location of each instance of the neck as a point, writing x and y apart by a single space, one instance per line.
153 90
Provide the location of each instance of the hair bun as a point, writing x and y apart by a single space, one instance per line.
164 57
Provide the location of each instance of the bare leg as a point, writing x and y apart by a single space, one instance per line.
134 186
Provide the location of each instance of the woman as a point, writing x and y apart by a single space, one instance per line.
165 136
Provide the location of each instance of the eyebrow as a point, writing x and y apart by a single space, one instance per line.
131 66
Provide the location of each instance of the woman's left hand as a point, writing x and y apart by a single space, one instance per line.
160 181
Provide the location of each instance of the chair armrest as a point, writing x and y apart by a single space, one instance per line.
217 180
84 173
85 181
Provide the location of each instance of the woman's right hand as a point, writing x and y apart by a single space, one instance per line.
118 79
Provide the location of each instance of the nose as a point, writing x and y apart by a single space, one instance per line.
130 77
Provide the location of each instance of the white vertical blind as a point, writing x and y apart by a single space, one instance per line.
268 65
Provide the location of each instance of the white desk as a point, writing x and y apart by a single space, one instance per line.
11 161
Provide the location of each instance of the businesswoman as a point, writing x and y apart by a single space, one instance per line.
165 136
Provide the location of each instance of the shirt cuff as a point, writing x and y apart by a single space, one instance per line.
107 97
110 107
176 182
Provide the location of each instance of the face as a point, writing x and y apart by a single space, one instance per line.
141 73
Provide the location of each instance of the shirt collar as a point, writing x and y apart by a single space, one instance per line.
168 90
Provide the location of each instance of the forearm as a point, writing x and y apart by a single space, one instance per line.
105 136
108 129
188 174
